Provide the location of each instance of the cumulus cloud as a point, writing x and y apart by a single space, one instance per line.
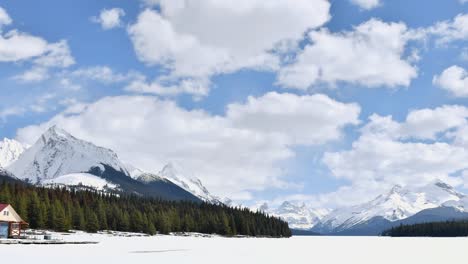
295 116
370 55
367 4
17 46
422 124
229 153
427 146
110 18
454 80
55 55
450 30
199 39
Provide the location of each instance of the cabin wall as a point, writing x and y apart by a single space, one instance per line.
9 215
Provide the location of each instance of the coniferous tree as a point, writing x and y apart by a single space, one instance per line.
62 209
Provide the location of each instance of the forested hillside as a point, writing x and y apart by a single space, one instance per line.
436 229
61 210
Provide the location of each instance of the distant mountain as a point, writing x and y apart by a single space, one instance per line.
10 150
178 175
397 206
59 159
299 217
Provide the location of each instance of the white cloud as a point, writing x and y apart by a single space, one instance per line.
11 111
196 87
16 46
36 74
307 120
422 124
110 18
367 4
229 154
202 38
4 18
371 55
389 161
56 55
448 31
103 74
68 84
454 80
427 146
40 104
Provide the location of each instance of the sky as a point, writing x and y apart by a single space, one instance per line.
327 102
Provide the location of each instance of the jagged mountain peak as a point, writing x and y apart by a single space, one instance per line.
298 215
10 150
58 153
173 170
177 174
397 204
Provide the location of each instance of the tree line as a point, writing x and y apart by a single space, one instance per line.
60 209
433 229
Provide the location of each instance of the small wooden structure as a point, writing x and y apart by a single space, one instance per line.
11 224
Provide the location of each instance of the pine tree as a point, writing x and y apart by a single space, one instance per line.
61 210
92 224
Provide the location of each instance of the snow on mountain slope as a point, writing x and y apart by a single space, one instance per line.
10 150
58 153
80 179
179 176
461 205
297 216
399 203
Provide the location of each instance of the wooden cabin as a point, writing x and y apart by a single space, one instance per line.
11 224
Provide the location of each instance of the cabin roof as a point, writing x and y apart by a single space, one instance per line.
3 206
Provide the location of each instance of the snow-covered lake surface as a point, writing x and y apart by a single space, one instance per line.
194 250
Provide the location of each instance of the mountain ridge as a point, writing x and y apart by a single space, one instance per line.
58 158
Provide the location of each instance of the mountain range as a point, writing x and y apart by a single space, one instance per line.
59 159
436 201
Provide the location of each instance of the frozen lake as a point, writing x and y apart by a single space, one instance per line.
170 249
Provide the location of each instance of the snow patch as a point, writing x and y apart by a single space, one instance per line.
81 179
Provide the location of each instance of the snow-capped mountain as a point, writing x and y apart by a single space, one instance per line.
10 150
399 203
183 178
58 153
58 158
298 216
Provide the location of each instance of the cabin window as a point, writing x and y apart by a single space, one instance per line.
6 213
15 226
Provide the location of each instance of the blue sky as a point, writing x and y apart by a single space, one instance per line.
302 172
